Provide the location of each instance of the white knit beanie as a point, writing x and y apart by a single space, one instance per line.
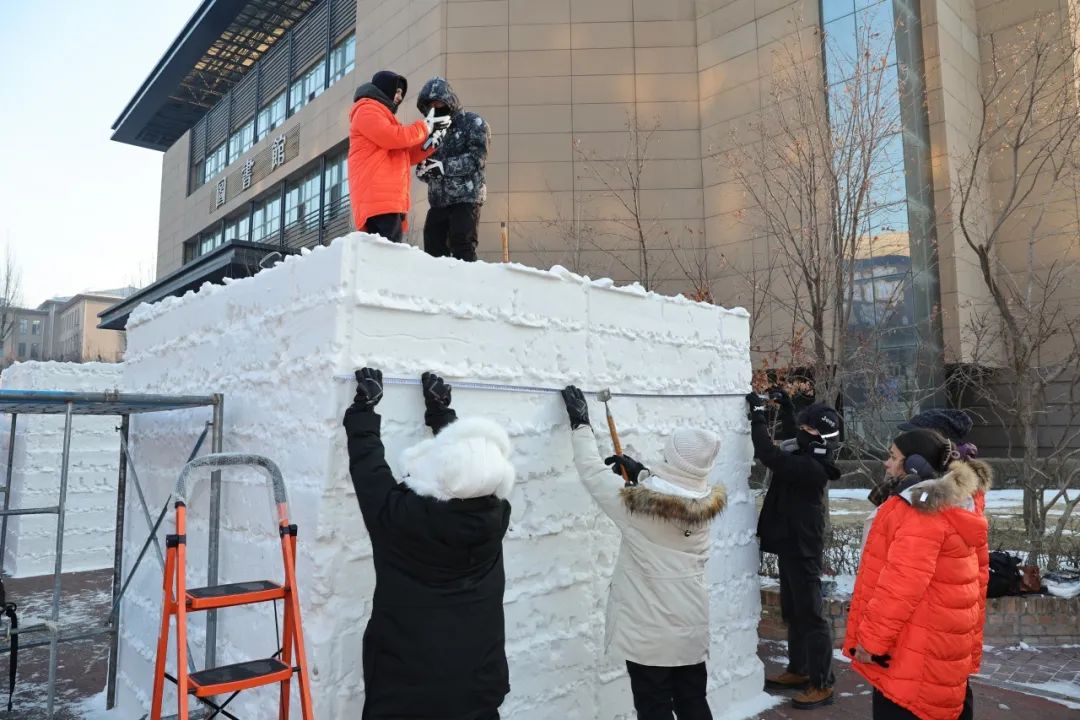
689 454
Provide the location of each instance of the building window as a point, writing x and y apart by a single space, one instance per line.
35 327
22 350
337 186
271 115
215 162
210 240
23 326
308 87
237 228
342 59
266 220
34 351
241 140
302 202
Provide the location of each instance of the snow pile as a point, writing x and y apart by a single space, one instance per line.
282 346
35 480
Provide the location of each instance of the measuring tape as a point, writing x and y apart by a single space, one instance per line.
534 389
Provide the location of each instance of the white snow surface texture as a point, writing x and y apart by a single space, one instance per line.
277 346
35 476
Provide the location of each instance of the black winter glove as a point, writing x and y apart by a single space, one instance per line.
757 407
436 391
576 407
369 388
632 467
918 465
884 490
778 396
437 402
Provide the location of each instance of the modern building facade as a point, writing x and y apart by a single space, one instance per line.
250 109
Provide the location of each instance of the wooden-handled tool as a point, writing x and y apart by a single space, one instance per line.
603 396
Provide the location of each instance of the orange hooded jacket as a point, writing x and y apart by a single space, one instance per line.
920 595
381 151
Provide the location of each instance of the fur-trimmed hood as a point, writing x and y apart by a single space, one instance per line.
688 512
470 458
955 490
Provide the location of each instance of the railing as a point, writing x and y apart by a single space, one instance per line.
317 227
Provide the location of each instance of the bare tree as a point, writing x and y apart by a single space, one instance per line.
10 296
636 241
819 169
1018 187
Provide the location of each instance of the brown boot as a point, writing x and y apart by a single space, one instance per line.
787 681
812 698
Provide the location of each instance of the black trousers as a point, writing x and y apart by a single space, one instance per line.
886 709
389 226
452 230
810 638
659 691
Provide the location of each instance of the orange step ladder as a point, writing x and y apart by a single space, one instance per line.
231 679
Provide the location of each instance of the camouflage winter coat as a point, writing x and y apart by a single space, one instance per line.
463 152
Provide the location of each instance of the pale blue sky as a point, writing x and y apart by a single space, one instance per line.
78 211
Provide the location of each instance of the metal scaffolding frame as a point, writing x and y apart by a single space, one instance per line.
69 404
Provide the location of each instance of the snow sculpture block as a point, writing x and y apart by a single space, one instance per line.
282 346
35 480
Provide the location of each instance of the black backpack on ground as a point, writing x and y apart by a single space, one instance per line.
1005 577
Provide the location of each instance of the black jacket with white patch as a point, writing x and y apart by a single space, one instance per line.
792 520
463 152
434 646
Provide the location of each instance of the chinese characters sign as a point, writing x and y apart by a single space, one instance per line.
279 151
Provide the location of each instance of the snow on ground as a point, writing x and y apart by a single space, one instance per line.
1056 691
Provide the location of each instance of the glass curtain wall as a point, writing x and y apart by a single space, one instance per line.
893 315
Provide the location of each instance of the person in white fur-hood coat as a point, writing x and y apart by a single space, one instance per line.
658 607
435 644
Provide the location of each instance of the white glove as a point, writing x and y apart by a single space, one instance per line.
429 169
435 139
436 122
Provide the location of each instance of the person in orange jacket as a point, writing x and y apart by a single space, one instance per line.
381 152
915 627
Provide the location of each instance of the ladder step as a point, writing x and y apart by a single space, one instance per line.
241 676
241 593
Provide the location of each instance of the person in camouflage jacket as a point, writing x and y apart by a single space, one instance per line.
454 175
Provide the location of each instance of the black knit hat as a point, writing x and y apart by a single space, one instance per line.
931 445
823 419
953 424
389 82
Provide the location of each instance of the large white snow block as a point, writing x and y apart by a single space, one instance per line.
282 346
35 479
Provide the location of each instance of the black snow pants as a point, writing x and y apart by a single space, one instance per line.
810 643
659 691
389 226
452 230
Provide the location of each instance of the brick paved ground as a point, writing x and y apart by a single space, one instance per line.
82 666
996 701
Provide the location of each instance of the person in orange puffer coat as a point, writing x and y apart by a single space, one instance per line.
381 151
915 626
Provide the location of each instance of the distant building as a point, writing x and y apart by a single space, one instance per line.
64 328
28 336
75 336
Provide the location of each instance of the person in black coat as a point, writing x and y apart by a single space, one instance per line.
435 644
792 525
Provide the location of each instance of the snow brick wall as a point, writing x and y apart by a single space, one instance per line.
282 346
35 481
